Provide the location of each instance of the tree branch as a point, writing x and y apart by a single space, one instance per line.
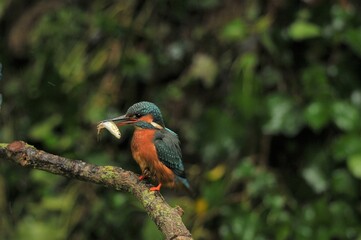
167 219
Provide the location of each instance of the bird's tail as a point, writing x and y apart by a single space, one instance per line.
186 185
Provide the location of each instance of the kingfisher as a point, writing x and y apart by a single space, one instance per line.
155 148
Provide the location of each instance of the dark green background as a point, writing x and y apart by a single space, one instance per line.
265 96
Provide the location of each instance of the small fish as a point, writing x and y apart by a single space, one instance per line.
111 127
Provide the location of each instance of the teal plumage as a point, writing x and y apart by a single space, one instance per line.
169 153
146 108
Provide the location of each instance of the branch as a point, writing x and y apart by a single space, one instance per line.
167 219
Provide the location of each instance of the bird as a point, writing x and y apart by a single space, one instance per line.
155 148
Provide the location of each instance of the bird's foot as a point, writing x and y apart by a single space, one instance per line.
157 188
145 174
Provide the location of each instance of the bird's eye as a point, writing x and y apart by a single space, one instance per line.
137 115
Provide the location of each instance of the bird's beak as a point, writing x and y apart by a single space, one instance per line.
122 120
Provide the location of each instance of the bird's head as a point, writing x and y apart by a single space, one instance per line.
141 114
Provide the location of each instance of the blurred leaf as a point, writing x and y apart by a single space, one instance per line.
137 64
345 116
301 30
216 173
346 145
343 183
245 90
72 68
262 182
119 200
245 169
58 203
356 98
3 5
201 206
203 67
315 179
44 178
275 201
150 230
31 228
100 158
235 30
283 116
318 115
44 130
263 24
315 82
98 62
354 165
213 192
175 93
353 39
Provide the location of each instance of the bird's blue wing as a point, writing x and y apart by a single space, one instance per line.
169 152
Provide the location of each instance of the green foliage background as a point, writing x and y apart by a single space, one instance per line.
265 96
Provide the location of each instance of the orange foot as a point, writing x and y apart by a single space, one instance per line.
145 174
157 188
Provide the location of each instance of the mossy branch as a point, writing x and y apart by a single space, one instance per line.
167 219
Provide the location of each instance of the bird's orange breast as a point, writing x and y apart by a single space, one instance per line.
145 154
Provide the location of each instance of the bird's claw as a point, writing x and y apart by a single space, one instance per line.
157 188
145 174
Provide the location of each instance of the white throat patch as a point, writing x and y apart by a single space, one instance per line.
156 125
